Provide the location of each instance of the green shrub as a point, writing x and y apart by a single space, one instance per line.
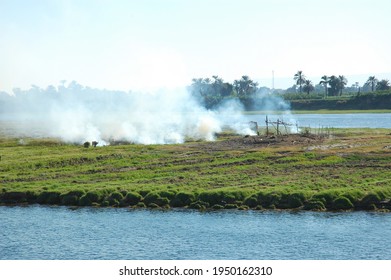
94 196
355 196
199 205
327 197
314 205
105 203
71 198
269 200
49 197
14 197
290 200
141 205
167 194
231 206
154 197
220 197
114 199
90 198
153 205
84 201
211 197
151 197
182 199
251 201
370 201
144 193
116 196
217 207
31 197
342 203
132 198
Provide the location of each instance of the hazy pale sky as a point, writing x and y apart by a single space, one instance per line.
133 44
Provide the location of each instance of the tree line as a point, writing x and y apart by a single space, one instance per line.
211 92
334 85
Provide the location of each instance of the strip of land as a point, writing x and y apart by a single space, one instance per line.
341 169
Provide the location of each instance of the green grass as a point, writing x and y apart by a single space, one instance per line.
351 170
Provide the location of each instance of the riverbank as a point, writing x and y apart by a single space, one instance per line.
344 169
363 101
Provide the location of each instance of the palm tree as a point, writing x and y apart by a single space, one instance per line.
383 85
342 83
300 79
325 82
308 86
372 81
334 85
245 86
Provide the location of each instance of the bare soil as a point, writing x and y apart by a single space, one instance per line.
251 142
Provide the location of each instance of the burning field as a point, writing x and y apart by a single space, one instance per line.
243 172
248 142
79 146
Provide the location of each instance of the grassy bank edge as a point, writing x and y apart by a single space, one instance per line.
329 200
336 199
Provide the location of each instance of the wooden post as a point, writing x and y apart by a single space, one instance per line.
267 126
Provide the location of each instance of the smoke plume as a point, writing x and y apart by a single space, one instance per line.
76 114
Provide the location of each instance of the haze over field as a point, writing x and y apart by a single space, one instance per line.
76 114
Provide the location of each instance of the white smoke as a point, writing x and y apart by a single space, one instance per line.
77 114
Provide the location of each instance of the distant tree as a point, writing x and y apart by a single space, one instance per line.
308 86
337 84
383 85
334 85
342 83
220 88
300 79
325 82
245 87
292 89
372 81
356 86
210 92
201 90
319 88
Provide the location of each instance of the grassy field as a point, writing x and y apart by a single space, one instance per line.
349 169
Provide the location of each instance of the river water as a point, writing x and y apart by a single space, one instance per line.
376 120
37 232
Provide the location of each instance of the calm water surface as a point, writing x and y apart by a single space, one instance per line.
37 232
376 120
331 120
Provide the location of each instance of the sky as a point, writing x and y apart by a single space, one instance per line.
150 44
